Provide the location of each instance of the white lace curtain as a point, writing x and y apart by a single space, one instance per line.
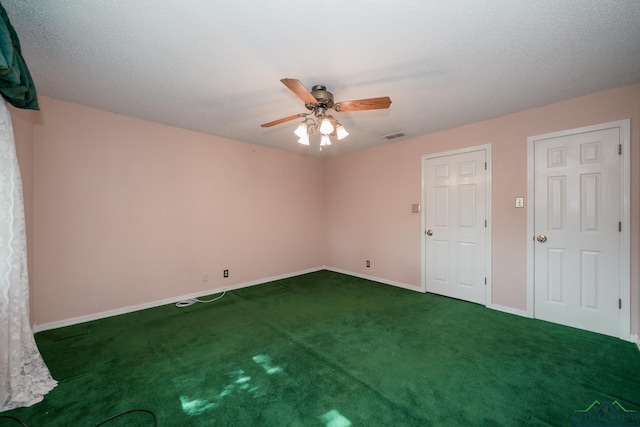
24 378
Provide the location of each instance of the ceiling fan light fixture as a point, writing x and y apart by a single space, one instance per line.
319 101
341 131
326 127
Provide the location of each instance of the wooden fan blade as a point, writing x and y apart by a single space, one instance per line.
298 88
364 104
277 122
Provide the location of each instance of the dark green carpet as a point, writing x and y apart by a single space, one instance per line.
326 349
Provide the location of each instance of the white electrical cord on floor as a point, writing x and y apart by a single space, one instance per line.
191 301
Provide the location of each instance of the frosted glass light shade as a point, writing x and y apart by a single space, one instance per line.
325 140
301 130
326 127
304 139
342 132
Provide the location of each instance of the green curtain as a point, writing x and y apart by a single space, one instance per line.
16 84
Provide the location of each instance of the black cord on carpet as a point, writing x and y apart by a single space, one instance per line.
9 417
155 420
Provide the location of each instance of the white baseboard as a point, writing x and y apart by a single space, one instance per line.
172 300
509 310
132 308
375 279
497 307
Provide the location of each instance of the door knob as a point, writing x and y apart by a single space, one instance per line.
541 238
429 233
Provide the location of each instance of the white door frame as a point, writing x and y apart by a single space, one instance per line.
625 195
487 249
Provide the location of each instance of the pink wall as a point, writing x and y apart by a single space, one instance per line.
370 194
128 212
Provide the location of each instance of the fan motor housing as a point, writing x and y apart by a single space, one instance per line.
324 97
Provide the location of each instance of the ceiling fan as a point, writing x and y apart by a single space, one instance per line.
319 101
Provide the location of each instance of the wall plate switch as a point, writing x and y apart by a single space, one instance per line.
519 202
415 208
205 277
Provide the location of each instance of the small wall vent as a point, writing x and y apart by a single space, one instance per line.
394 135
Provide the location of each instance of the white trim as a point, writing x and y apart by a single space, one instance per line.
509 310
488 202
625 209
530 226
625 241
423 228
132 308
488 241
374 279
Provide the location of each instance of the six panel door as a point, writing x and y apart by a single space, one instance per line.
455 215
576 220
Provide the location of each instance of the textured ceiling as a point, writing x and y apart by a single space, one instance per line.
215 66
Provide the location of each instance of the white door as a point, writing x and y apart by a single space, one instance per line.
455 225
576 230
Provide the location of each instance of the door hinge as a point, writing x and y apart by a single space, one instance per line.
485 223
619 149
485 165
620 226
620 303
485 281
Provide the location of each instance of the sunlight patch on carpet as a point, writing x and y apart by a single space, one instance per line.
240 382
195 406
265 361
333 418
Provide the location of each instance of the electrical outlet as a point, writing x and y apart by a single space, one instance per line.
205 277
368 264
225 273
